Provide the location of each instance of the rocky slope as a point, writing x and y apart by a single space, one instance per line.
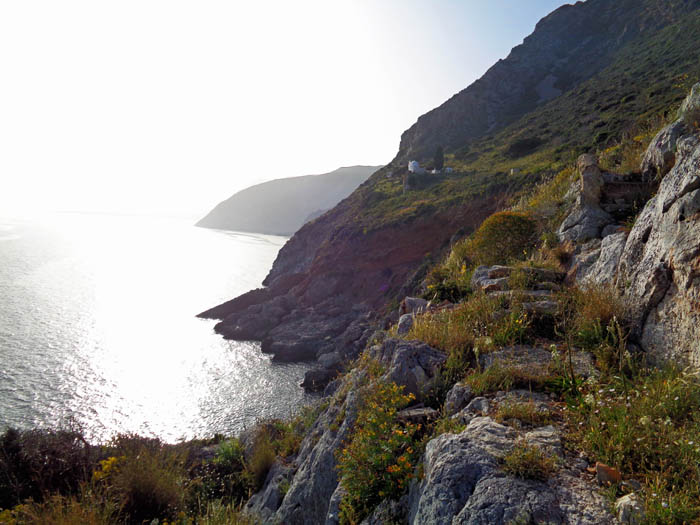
333 276
282 206
462 478
567 47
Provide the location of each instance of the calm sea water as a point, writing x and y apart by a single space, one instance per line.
98 327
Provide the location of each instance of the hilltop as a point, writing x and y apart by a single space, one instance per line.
282 206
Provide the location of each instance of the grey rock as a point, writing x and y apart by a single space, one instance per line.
660 156
405 324
591 180
541 307
536 361
691 102
583 223
330 360
610 229
630 510
410 363
388 512
463 483
333 516
317 379
478 405
315 480
479 274
587 219
658 272
457 398
412 305
604 270
420 415
264 503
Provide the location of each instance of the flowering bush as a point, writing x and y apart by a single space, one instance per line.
379 460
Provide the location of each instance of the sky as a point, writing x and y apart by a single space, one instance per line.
170 106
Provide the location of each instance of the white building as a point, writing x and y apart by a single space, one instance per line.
414 167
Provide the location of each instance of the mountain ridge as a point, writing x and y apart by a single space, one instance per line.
282 206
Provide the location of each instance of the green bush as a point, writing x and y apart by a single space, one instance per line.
145 479
503 237
37 462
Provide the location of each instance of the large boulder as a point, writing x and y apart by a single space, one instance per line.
412 364
464 483
659 270
660 266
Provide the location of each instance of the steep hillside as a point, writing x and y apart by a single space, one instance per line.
633 61
282 206
568 46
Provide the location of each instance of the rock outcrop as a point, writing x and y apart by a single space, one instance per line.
464 482
314 494
659 270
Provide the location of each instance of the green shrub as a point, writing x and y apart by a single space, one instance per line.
38 462
146 480
511 329
379 460
262 457
528 462
503 237
88 509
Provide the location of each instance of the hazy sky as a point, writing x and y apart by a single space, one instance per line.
171 106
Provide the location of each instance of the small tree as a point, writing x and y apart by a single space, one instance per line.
439 158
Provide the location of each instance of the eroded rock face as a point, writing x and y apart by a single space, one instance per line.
464 483
659 271
604 269
409 363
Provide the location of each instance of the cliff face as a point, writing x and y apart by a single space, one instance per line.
336 272
281 207
567 47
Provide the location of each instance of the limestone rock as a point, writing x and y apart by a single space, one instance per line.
457 398
463 483
630 510
409 363
659 270
660 155
604 270
535 360
478 405
265 503
412 305
405 324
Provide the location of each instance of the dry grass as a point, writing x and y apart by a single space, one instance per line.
525 412
528 462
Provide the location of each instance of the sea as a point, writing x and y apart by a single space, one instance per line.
98 328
